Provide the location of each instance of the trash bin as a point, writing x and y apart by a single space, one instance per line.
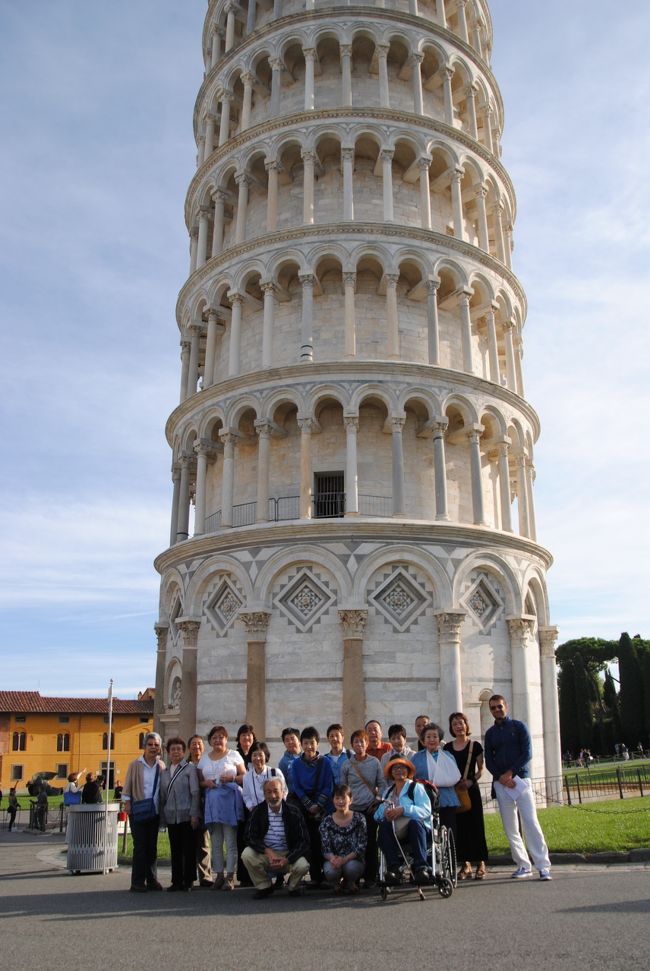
92 830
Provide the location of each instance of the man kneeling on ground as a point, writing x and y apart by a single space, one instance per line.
277 843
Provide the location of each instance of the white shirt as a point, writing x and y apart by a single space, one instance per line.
212 769
254 785
148 780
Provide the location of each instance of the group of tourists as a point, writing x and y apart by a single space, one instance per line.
232 817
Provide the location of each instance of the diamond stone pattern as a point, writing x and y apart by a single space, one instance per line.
400 600
305 601
223 606
484 603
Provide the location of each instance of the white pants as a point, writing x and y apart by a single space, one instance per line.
525 806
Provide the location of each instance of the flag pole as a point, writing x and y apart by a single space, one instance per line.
108 768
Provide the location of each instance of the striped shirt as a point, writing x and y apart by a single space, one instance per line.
275 837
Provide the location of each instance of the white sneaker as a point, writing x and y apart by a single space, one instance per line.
545 875
521 873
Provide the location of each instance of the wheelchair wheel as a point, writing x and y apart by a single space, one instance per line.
448 856
445 887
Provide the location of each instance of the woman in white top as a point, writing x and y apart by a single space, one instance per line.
258 773
219 769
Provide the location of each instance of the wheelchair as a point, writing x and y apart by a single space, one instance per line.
441 858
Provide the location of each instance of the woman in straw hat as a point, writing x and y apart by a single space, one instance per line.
404 814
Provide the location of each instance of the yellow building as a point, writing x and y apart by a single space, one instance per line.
62 735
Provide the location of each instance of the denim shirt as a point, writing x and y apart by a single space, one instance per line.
508 747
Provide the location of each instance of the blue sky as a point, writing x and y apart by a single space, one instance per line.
97 154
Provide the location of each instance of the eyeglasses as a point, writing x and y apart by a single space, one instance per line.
496 707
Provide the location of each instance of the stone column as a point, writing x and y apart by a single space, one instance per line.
511 379
498 231
250 21
347 160
307 322
176 490
493 349
387 183
247 81
466 329
384 93
397 426
263 429
243 182
228 476
185 368
272 197
200 154
520 630
504 484
351 423
276 84
189 629
470 96
487 128
353 623
224 126
219 199
277 9
349 284
425 196
305 425
161 663
392 317
208 145
215 48
448 100
416 67
346 75
440 10
202 245
193 366
457 203
483 240
530 477
308 188
440 468
474 438
257 624
522 494
230 26
451 686
433 329
462 20
204 451
268 289
550 713
194 238
236 301
211 348
310 57
182 529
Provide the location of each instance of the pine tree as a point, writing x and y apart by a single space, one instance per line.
568 723
631 700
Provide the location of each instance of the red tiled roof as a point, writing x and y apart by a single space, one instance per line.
32 702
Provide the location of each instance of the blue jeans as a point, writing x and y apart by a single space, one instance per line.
417 838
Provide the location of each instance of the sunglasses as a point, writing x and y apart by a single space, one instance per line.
496 707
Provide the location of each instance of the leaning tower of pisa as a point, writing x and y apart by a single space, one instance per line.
353 528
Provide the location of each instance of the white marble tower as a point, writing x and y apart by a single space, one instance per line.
353 528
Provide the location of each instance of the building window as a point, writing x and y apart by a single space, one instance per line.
63 742
144 719
16 773
62 770
21 719
141 739
329 495
19 742
106 719
64 719
105 740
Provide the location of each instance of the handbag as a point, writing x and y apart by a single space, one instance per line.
145 809
461 792
71 798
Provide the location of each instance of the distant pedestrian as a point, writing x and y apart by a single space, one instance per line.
12 808
41 809
91 792
507 756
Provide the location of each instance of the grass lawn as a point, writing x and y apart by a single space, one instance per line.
606 771
618 824
621 825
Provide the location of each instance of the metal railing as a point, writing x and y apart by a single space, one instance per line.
325 505
574 789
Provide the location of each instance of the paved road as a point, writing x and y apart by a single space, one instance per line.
589 915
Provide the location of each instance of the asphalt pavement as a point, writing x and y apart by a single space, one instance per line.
588 915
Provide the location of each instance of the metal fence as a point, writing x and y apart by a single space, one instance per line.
329 505
576 788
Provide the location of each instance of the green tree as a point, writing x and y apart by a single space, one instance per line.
568 723
631 695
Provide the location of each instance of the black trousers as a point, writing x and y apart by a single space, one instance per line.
316 854
183 851
145 850
370 872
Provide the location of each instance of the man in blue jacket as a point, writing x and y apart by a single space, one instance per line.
507 756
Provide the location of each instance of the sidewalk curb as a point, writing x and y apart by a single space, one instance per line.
640 855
